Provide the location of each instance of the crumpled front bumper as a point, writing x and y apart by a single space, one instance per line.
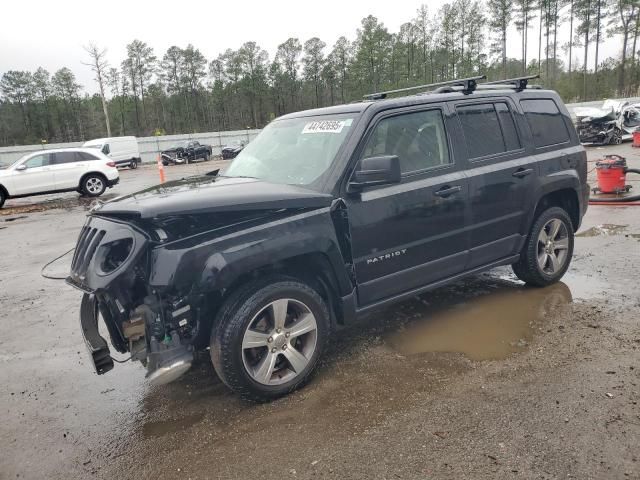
96 345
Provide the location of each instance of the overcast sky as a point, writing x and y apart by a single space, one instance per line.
51 33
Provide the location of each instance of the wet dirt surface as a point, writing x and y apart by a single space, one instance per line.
481 379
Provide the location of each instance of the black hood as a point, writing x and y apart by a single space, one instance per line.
207 194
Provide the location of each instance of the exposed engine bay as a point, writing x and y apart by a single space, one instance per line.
157 329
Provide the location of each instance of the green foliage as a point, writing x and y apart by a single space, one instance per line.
181 91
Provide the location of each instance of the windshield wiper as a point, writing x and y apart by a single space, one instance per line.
236 176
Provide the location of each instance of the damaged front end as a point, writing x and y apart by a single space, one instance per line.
110 266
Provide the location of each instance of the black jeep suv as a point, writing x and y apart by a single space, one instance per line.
327 215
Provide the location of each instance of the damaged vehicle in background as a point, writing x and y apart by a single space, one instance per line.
231 151
612 124
327 215
185 152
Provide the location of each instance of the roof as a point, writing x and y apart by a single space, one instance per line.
66 149
415 99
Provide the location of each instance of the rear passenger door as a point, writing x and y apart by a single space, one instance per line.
410 234
501 174
67 169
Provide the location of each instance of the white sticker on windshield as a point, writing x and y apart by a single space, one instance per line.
324 126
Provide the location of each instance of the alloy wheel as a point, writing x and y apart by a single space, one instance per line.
279 342
94 185
553 245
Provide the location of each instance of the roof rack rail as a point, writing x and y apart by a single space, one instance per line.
520 83
468 84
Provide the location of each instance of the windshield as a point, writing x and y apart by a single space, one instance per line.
294 151
179 145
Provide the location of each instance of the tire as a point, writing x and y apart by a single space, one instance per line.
94 185
134 164
2 197
256 372
616 138
206 156
536 266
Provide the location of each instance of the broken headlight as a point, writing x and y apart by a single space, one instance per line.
112 255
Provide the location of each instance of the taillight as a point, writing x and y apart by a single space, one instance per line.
111 164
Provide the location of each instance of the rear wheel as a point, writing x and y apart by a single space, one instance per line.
2 198
268 337
94 185
206 156
547 252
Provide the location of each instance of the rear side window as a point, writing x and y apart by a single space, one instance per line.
546 122
418 139
488 129
82 156
64 157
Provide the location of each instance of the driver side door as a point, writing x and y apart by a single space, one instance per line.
408 235
37 177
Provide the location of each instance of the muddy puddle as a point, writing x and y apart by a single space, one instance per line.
488 328
56 203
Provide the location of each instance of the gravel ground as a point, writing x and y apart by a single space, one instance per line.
481 379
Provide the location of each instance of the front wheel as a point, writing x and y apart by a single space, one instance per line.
134 164
94 185
2 198
547 252
268 337
616 138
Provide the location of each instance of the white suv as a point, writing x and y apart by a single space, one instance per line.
52 171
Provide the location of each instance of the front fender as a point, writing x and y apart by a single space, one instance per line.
207 265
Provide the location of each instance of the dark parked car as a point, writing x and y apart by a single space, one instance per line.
185 152
231 151
328 215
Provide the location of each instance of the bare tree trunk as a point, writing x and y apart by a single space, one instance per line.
598 34
586 52
547 17
99 65
625 41
571 38
540 38
555 41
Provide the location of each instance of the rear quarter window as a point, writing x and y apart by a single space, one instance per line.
546 122
85 156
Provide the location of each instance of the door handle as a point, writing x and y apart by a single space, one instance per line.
447 191
522 172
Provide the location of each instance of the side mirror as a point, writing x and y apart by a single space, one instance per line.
21 167
383 170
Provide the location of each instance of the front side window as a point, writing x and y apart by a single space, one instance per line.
546 122
37 161
105 149
488 129
418 139
295 151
